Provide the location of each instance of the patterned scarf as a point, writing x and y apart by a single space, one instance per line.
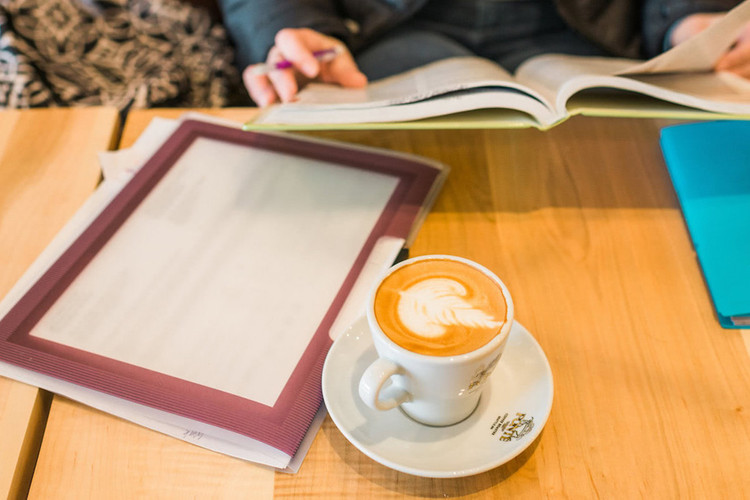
122 53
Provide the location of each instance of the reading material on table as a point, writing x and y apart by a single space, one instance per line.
710 168
545 90
198 294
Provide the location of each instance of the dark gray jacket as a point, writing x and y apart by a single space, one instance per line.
627 28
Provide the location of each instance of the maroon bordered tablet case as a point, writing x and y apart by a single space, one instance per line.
281 425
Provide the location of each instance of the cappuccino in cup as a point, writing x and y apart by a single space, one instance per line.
439 324
440 307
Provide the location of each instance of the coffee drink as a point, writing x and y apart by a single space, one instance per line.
439 324
440 307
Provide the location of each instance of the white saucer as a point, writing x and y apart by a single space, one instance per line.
515 405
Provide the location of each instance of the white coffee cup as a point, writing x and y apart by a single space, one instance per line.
435 389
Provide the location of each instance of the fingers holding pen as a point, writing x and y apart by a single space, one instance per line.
259 87
267 85
317 56
298 56
283 80
298 46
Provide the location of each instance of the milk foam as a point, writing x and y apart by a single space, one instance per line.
428 307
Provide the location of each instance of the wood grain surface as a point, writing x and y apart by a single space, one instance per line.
652 397
48 167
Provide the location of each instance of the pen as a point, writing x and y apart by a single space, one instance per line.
320 55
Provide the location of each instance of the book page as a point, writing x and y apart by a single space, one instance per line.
564 76
224 272
724 93
454 102
547 73
438 78
683 75
550 73
699 53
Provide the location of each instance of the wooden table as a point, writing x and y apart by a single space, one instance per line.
652 397
48 168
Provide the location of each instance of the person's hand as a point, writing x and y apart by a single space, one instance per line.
297 45
735 60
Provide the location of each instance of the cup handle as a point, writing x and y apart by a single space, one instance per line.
371 384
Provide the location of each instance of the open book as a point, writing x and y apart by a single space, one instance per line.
545 90
198 294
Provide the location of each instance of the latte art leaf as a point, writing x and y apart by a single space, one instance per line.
430 306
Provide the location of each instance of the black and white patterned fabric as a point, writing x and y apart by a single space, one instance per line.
122 53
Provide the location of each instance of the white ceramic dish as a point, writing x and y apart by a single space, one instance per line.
512 411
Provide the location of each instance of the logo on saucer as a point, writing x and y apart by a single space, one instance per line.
509 429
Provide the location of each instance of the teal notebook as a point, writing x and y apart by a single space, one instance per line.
709 163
